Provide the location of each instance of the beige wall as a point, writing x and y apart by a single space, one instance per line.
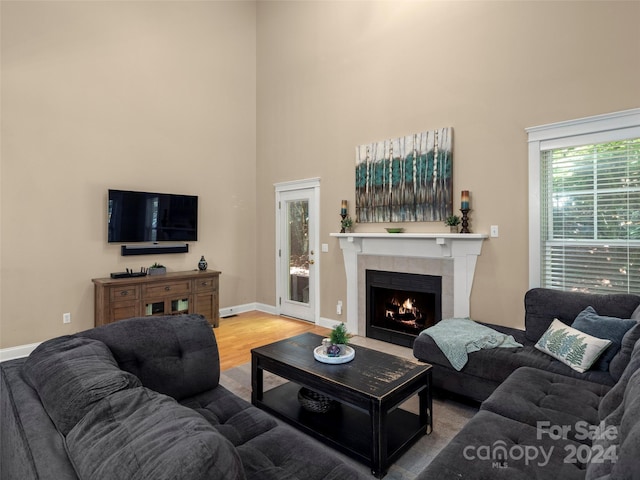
164 96
157 96
333 75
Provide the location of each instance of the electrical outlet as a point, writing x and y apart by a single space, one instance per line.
66 318
339 307
494 231
325 247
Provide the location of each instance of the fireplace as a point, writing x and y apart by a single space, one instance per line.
453 256
401 305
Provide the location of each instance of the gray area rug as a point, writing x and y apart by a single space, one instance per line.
448 418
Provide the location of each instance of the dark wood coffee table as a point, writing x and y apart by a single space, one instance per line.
367 424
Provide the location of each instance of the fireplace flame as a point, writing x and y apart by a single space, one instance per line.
403 312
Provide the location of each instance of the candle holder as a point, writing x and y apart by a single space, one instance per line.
342 230
465 220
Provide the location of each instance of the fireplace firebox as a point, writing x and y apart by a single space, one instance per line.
401 305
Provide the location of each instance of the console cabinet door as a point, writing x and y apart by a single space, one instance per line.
123 310
124 302
206 299
206 305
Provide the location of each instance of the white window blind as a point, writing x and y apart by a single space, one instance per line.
590 217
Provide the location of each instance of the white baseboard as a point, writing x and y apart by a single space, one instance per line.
271 309
263 307
247 307
20 351
236 309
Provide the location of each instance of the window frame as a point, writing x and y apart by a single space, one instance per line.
605 128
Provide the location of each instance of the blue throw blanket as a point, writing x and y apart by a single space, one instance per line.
457 337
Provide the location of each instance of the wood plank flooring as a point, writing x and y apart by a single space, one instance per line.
236 336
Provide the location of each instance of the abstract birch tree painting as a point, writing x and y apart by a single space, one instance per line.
407 179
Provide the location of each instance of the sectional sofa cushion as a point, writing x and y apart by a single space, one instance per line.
542 305
614 397
71 375
531 396
457 337
236 419
619 363
615 452
626 465
282 453
600 326
177 356
491 446
30 444
572 347
496 364
143 435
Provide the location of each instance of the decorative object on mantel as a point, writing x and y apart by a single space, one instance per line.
394 230
452 221
346 222
406 179
464 208
157 269
202 264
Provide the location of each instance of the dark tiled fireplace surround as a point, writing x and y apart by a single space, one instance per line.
400 305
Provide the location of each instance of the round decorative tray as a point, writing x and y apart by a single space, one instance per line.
395 230
315 402
349 355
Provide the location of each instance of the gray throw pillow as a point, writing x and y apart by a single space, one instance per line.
608 328
72 374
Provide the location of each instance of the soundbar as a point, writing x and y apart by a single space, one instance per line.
128 274
153 249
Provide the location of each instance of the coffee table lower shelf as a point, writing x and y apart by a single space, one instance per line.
344 428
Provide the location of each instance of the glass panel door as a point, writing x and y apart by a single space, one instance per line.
297 268
298 238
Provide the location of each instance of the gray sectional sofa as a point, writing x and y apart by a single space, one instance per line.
140 399
487 369
539 418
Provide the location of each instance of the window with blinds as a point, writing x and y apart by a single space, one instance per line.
590 217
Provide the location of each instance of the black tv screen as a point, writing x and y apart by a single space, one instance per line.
152 217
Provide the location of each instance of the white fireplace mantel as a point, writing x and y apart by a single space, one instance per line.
462 248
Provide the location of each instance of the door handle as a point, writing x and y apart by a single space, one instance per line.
311 262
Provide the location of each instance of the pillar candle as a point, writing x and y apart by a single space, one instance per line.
343 209
465 200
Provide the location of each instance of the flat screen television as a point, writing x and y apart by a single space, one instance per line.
151 217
